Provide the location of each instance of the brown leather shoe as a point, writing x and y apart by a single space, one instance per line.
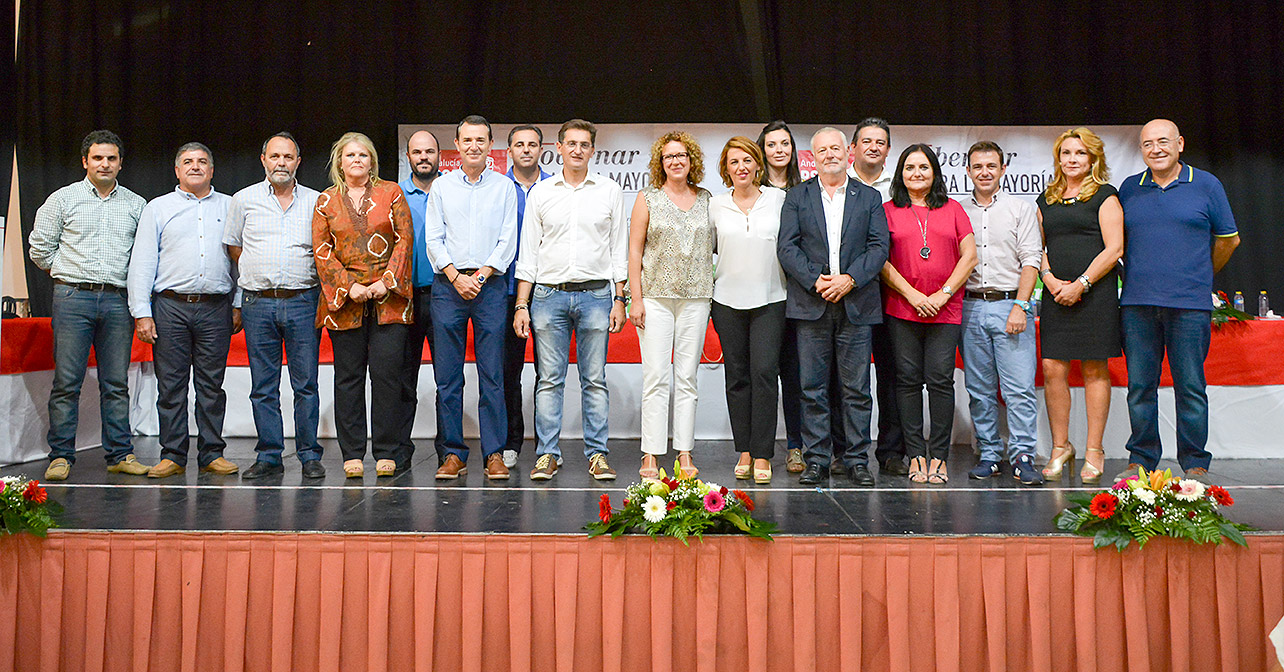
495 469
221 466
452 468
166 468
129 465
58 470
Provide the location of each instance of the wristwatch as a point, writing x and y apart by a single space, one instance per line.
1025 305
1087 284
621 299
481 278
945 289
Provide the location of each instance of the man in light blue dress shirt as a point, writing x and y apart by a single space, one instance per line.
269 237
180 293
83 235
524 145
470 230
422 152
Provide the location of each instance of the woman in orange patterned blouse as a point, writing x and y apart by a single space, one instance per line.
362 241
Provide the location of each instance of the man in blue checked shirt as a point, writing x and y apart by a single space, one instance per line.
470 230
180 293
269 237
422 153
524 145
83 235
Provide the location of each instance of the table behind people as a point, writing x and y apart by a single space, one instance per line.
361 237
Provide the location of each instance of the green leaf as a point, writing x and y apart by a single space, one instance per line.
1231 532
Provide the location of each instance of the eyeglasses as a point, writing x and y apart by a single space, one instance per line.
678 156
1162 143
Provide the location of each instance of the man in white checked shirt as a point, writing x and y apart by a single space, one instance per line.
83 236
269 237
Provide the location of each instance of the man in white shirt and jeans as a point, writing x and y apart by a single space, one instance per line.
998 334
571 269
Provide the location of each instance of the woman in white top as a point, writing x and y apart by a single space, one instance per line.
671 283
748 302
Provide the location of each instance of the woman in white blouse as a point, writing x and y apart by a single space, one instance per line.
748 302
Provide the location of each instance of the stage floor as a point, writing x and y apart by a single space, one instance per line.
413 501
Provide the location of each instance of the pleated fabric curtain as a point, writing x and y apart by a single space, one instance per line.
183 601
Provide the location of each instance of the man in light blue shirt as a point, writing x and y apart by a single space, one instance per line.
83 235
180 293
470 230
424 158
524 145
269 237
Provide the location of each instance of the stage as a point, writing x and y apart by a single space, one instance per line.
203 572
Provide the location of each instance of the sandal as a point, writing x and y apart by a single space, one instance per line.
743 467
353 469
649 471
936 474
385 467
1091 475
762 475
918 470
688 467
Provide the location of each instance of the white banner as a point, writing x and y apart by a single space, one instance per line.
624 150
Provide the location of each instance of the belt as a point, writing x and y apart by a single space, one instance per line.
278 293
93 286
190 298
992 295
468 271
586 286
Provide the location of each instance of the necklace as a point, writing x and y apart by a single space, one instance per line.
924 251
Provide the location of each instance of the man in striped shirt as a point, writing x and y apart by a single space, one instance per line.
83 236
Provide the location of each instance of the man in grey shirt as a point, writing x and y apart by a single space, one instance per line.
83 236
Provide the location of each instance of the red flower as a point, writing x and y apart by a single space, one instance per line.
1190 515
744 499
723 491
35 493
1175 486
672 483
1159 510
1103 505
1219 495
604 508
670 506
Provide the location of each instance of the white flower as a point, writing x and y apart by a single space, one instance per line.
711 486
653 509
1147 496
1191 490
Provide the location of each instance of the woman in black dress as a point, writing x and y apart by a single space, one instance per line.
1082 225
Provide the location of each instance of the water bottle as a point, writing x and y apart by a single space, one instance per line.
1239 301
1263 304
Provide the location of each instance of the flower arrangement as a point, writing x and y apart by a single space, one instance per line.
679 507
1224 312
1152 504
25 507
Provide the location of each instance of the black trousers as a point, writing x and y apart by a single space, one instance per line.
416 333
514 362
192 339
890 445
751 363
925 357
381 349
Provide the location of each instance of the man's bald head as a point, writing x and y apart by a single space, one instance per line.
422 153
1161 147
1162 127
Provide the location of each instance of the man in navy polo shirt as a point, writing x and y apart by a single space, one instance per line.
1180 231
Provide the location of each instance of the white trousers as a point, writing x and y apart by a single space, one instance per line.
671 346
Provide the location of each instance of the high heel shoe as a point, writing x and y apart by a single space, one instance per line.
649 471
743 467
688 467
353 468
1057 463
918 470
385 468
762 475
1091 474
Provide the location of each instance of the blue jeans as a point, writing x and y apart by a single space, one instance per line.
271 324
450 315
1149 331
555 315
829 342
82 319
995 362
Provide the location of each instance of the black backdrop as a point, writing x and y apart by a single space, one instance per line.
231 73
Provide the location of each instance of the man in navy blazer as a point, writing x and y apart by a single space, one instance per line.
832 244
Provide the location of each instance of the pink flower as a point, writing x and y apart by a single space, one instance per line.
1122 485
714 501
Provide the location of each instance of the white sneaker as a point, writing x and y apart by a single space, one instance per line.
510 458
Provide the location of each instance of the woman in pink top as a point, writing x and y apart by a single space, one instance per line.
932 253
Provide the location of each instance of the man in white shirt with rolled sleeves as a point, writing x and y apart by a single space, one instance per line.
571 271
998 331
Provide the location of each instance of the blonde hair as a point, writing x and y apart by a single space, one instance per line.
1099 175
749 147
336 151
695 176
